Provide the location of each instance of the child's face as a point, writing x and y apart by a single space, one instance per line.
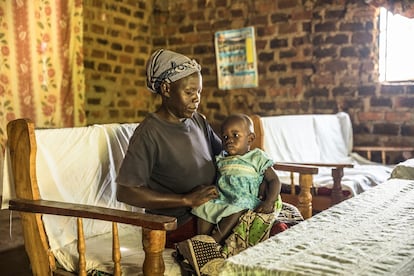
236 137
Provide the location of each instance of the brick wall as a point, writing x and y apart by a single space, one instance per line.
117 42
313 57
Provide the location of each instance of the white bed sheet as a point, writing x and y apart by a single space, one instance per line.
369 234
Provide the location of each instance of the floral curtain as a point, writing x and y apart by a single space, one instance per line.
41 63
402 7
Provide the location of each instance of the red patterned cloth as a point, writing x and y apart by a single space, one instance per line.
277 228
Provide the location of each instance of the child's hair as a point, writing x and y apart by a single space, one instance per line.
240 116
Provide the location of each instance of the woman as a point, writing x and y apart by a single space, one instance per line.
169 166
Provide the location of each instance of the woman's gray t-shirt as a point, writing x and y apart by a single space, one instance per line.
171 158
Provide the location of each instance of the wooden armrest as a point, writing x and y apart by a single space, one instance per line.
153 229
380 148
294 167
150 221
333 165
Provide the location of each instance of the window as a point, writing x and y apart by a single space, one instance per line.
396 47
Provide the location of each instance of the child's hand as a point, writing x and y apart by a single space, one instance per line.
265 207
262 191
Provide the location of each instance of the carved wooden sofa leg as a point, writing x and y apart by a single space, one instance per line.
337 194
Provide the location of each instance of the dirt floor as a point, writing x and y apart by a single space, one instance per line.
13 258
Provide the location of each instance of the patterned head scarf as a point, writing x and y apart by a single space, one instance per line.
168 66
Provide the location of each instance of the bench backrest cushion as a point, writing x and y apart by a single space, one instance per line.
79 165
308 138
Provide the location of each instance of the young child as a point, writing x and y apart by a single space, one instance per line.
242 215
246 181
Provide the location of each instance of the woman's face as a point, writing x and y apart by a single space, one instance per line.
185 96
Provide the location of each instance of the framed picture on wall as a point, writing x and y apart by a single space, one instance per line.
236 58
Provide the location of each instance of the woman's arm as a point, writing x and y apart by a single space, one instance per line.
144 197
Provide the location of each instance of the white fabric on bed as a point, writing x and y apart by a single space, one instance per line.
369 234
320 138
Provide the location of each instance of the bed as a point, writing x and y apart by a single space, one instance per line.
369 234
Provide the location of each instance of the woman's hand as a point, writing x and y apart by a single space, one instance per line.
146 198
201 194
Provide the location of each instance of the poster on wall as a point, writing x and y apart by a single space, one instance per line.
236 58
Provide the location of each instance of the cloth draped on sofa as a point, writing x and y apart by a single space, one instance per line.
321 138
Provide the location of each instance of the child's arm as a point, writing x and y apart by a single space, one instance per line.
273 186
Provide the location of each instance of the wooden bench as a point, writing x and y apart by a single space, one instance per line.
323 141
35 198
22 147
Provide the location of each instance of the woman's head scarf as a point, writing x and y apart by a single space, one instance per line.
168 66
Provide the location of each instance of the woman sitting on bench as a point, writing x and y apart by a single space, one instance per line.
169 166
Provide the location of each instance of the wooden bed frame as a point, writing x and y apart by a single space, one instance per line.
321 202
23 147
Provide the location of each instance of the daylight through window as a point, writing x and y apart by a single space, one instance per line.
396 47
